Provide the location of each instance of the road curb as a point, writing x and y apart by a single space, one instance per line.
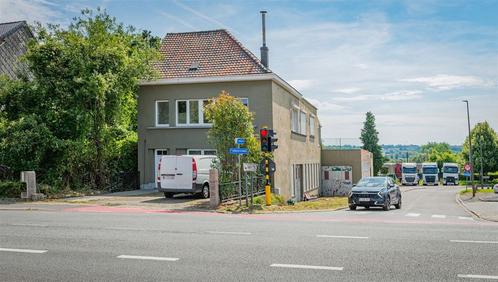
470 211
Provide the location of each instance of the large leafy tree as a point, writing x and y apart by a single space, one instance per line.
370 138
231 119
83 90
484 147
438 152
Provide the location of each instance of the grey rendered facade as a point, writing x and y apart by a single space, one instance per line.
269 97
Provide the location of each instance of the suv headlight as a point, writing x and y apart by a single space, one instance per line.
350 194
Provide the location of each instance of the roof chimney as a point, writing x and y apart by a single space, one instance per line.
264 49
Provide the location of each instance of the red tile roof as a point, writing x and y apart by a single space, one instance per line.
206 53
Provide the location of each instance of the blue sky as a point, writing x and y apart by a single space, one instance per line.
409 62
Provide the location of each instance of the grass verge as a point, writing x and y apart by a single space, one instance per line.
324 203
469 191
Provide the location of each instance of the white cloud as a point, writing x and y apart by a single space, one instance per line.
402 95
347 90
28 10
325 106
301 84
448 82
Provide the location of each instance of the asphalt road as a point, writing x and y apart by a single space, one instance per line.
430 239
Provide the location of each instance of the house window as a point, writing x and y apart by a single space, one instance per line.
294 120
181 112
190 112
162 113
312 125
201 152
244 101
302 123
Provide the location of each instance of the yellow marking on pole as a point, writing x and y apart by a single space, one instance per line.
268 195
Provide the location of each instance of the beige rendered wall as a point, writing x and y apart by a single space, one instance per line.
354 158
173 137
292 148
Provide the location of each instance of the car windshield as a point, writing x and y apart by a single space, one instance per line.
429 170
450 169
409 170
372 182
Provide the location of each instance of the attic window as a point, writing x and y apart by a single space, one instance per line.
194 66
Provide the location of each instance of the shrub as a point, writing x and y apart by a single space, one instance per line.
275 200
11 189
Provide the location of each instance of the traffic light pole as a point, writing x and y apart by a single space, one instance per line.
267 183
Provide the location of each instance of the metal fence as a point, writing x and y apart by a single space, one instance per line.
250 185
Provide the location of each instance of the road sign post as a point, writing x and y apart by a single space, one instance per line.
239 151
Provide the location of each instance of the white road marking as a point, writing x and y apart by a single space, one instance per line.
147 258
465 217
475 242
412 214
229 233
29 224
28 251
474 276
341 236
438 216
307 266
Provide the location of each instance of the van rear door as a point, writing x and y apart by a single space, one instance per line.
168 172
184 175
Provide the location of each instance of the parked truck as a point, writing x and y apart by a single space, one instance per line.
409 174
450 173
430 174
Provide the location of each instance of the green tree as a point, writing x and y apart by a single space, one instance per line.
83 89
231 119
485 140
439 153
370 138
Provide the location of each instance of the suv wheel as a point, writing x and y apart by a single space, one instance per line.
168 195
387 204
352 207
398 205
205 191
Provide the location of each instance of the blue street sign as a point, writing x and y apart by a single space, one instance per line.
240 141
466 173
239 151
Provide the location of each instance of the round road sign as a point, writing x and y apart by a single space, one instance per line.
467 167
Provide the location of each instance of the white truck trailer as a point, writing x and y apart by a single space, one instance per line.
430 174
409 174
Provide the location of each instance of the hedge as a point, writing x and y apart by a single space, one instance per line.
11 189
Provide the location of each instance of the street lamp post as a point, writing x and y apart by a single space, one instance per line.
470 152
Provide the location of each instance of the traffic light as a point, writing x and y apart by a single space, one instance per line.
264 135
273 140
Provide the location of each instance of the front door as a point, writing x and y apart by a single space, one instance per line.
298 182
158 153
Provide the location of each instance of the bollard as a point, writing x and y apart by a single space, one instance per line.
214 194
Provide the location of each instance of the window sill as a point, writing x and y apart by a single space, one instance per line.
299 134
180 127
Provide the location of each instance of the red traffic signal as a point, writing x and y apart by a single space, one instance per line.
263 132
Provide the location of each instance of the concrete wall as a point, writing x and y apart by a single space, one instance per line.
176 138
361 161
293 148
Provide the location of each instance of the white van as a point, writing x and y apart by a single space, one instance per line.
184 174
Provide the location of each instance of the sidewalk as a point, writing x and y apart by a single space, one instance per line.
484 205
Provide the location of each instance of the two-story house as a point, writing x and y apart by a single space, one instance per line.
197 66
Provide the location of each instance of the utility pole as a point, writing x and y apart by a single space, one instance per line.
470 152
481 140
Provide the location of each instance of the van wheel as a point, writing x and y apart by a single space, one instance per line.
205 191
168 195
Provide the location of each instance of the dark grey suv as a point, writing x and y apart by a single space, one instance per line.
375 191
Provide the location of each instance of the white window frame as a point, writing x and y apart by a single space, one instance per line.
295 127
312 125
301 122
202 151
200 113
157 114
